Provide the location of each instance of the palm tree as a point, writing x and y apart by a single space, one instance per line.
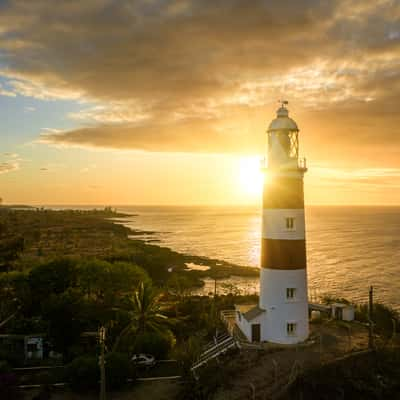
145 315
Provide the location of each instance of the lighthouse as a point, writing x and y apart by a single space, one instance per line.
283 276
282 313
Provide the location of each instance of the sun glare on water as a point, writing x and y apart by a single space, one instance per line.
250 176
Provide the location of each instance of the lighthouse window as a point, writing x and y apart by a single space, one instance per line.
290 293
291 328
290 223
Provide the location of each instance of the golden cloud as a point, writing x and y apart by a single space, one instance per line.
203 76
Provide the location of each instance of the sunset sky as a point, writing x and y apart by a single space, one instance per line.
167 102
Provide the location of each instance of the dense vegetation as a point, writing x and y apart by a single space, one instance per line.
29 237
65 274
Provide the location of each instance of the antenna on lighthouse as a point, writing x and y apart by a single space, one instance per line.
283 103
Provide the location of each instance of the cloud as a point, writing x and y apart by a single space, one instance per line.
40 88
116 113
88 168
188 135
5 92
204 76
376 176
11 162
8 166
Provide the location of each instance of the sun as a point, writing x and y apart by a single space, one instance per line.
250 176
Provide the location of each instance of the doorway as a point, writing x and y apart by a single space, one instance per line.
255 332
338 313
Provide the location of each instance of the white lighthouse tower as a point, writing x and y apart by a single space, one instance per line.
283 277
282 313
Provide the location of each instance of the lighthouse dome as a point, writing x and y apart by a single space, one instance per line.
282 121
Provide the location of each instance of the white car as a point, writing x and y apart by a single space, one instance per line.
145 360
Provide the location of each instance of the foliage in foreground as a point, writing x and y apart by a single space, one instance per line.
118 370
364 377
65 297
8 381
386 319
83 374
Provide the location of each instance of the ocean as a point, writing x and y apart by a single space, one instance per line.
348 248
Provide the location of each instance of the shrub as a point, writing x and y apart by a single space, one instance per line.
332 299
386 319
118 370
8 382
83 373
155 343
12 358
188 352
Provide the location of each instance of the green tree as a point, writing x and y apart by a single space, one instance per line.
108 283
54 277
10 250
83 373
92 278
145 314
118 370
15 296
188 352
65 322
156 343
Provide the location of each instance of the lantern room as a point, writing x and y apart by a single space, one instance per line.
283 141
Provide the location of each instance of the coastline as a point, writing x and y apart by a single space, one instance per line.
50 234
213 268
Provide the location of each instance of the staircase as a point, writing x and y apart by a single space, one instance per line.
213 349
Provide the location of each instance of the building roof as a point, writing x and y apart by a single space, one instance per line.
243 308
341 305
249 311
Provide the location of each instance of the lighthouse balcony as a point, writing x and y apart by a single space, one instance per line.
299 164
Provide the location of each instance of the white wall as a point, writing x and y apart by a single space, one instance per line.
279 309
348 314
274 224
245 326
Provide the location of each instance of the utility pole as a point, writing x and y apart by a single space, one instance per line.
102 339
370 316
215 309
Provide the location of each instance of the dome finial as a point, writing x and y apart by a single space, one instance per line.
282 110
282 120
283 103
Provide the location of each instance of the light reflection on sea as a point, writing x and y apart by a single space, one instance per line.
348 248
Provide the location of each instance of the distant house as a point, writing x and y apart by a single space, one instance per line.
27 347
342 311
36 347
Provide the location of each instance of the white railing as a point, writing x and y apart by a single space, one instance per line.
301 164
214 352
